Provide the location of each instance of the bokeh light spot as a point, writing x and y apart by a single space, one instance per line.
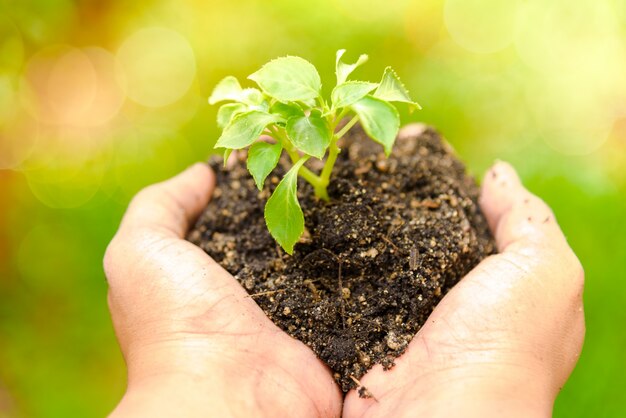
572 118
66 168
109 96
71 86
482 26
40 92
158 66
579 63
424 23
552 32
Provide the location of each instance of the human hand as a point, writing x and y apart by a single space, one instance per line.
505 339
194 343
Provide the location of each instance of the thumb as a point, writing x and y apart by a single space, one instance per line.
526 301
157 217
516 316
517 218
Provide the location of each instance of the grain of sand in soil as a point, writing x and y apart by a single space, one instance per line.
397 234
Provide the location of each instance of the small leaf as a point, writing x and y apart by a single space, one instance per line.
244 129
254 98
227 112
262 159
289 79
310 134
227 89
391 89
227 152
379 119
286 110
343 70
283 215
307 104
349 92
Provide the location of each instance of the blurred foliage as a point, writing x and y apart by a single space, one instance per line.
99 98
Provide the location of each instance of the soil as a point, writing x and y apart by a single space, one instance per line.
397 234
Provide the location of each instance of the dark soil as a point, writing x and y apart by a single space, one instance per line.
397 234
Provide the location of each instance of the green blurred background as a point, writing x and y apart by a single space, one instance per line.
99 98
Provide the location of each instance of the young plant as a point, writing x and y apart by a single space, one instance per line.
289 107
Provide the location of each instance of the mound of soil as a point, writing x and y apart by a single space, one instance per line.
398 233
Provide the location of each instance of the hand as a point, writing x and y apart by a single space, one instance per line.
505 339
194 343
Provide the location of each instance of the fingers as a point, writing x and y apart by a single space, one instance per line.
171 206
516 317
516 217
501 188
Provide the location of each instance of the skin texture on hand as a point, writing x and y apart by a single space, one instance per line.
194 343
505 339
501 343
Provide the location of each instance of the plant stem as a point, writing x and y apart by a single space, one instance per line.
341 114
320 183
333 152
304 172
347 127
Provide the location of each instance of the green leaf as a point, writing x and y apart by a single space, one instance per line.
226 113
349 92
289 79
343 70
379 119
391 89
307 104
262 159
244 129
286 110
227 89
283 215
254 99
310 134
227 152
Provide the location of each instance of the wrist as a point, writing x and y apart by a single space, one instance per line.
468 390
174 379
489 394
485 391
166 395
202 379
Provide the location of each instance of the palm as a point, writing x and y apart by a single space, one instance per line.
499 324
176 312
211 308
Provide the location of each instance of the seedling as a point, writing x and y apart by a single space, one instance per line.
289 108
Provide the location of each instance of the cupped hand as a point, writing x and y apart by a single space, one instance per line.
505 339
194 343
502 342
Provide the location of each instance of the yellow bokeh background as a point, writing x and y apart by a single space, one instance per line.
99 98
